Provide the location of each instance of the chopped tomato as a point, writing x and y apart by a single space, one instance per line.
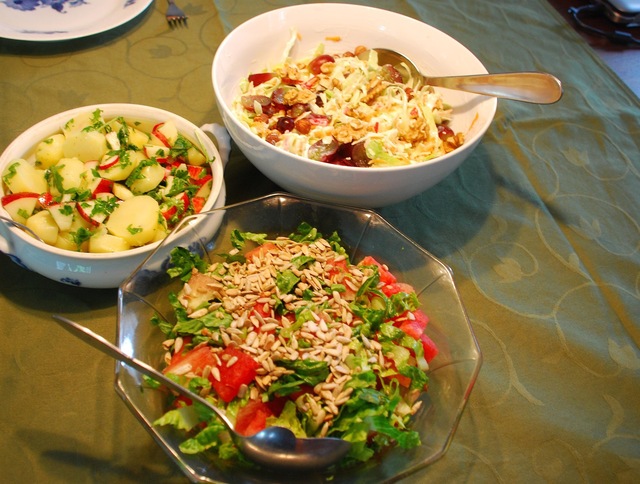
233 376
252 418
338 275
396 287
264 311
181 401
411 328
429 347
193 361
415 327
260 251
403 380
420 316
385 276
337 267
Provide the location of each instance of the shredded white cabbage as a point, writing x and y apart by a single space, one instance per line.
351 100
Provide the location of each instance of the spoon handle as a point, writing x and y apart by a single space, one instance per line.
532 87
101 344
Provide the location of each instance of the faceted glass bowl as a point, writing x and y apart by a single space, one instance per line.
363 232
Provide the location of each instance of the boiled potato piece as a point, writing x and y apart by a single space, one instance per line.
65 241
68 174
43 225
121 170
169 130
79 122
138 138
50 150
122 192
63 214
22 176
196 157
103 242
148 178
85 145
161 230
135 220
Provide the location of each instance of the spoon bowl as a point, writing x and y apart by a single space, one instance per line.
274 447
531 87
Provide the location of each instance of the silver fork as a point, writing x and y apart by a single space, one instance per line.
175 16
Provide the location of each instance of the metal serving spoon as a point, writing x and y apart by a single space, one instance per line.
531 87
10 221
275 447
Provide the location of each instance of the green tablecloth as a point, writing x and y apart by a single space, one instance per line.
541 226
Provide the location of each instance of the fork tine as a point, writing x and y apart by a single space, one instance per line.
175 16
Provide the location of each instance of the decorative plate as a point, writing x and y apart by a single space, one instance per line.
53 20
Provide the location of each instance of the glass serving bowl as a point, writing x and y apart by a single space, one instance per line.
452 373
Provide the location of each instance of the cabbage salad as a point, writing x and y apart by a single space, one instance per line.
346 109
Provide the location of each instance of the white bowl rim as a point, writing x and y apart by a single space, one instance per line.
90 256
492 102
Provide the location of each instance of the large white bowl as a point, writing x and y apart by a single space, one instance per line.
260 42
85 269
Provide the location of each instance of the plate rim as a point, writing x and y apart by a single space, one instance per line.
122 16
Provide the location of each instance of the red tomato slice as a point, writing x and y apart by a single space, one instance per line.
421 317
412 327
403 380
252 418
193 361
429 347
337 267
264 311
385 276
242 372
396 287
260 250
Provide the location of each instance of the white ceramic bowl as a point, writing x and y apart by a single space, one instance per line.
85 269
260 42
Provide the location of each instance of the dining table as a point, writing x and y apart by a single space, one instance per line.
540 226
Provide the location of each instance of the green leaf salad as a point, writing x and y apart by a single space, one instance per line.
289 332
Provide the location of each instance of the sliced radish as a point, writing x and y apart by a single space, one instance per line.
108 162
46 199
101 185
205 189
87 211
167 210
166 132
20 206
113 140
160 153
62 214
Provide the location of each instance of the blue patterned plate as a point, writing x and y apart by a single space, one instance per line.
52 20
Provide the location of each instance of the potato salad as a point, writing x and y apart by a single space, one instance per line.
347 110
107 185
